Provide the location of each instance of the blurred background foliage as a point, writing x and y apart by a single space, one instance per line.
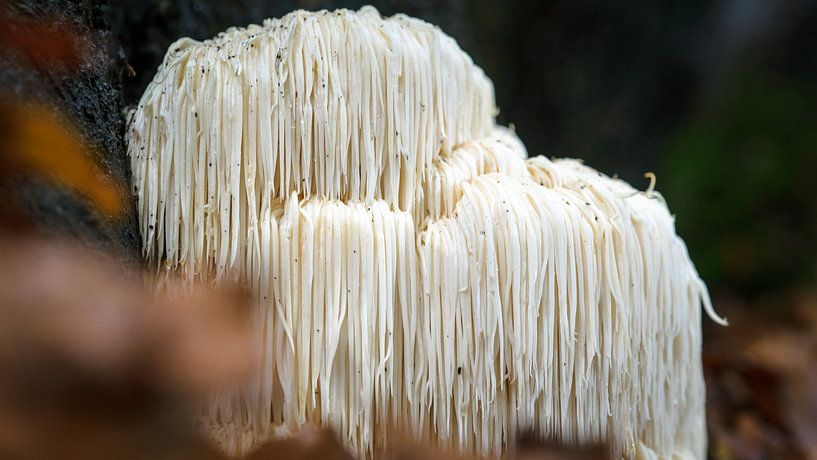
719 98
740 176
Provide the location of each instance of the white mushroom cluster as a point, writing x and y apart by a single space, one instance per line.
412 270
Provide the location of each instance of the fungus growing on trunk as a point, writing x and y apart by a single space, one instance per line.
411 268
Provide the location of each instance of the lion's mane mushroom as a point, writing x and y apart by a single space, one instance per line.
412 269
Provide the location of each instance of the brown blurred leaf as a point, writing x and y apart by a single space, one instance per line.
532 447
94 367
203 340
305 444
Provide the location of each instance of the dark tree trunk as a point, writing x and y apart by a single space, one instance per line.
89 96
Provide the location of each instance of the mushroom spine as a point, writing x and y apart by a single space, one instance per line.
411 267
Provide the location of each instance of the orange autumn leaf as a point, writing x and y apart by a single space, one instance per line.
38 141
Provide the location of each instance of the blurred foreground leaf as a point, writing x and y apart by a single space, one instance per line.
96 367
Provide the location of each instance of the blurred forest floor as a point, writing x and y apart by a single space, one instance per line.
761 379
